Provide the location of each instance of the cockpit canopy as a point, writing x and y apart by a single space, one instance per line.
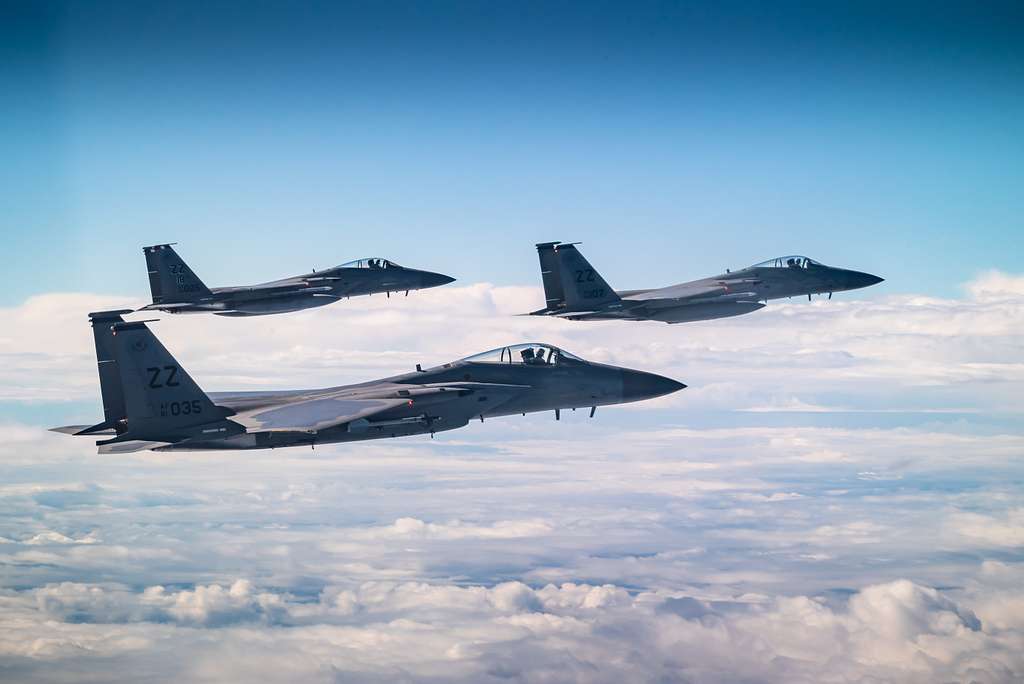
787 262
530 353
373 262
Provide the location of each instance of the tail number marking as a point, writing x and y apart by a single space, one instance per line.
170 374
180 408
183 278
585 275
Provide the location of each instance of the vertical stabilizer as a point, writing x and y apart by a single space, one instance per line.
583 286
162 401
110 380
549 272
170 279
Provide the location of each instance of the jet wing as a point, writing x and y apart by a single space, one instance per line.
277 289
678 293
321 412
697 291
313 415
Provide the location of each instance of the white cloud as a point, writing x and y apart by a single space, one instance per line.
996 285
815 505
51 537
891 631
413 528
987 530
795 356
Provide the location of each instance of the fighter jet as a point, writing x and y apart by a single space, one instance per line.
177 289
574 290
151 402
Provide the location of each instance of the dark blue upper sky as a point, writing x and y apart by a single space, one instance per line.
675 139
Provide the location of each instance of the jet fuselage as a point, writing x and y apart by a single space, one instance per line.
177 289
569 384
151 402
574 290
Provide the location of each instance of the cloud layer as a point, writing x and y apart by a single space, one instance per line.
836 497
823 356
896 631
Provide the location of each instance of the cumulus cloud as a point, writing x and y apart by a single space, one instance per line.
794 355
996 285
51 537
892 631
987 530
413 528
844 503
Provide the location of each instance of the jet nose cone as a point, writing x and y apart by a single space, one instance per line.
866 279
428 279
637 385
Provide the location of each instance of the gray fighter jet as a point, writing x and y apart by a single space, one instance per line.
574 290
151 402
176 289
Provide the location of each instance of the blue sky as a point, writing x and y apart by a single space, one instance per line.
839 491
674 139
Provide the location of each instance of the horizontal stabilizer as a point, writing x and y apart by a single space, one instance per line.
69 429
130 446
113 316
103 428
83 430
163 305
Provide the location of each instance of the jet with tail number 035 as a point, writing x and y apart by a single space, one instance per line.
151 402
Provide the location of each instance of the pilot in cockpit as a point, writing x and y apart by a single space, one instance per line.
532 358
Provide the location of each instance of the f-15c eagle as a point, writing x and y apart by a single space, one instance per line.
151 402
576 291
177 289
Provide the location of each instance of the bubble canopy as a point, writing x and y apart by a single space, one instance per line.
528 353
793 261
372 262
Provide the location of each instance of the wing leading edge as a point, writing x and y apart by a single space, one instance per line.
318 413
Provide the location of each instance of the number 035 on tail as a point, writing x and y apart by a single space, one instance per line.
151 402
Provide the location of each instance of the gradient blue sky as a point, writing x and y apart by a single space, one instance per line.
839 492
674 139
